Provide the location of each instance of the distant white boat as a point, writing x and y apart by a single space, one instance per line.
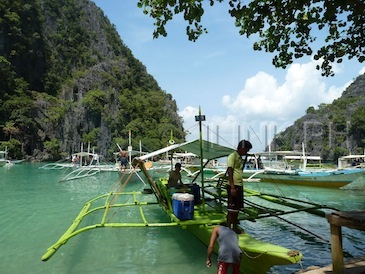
351 161
82 164
87 164
16 161
4 156
315 175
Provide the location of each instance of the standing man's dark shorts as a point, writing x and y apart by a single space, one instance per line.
235 204
123 161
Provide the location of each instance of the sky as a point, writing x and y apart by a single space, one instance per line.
240 92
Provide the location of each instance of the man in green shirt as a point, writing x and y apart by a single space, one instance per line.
235 165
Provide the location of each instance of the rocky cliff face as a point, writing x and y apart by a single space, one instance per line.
82 84
331 130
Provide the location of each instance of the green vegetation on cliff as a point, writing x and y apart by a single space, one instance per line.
67 78
331 130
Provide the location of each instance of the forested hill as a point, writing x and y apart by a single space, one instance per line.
67 78
331 130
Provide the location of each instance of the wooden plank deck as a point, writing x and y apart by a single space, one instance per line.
353 266
351 219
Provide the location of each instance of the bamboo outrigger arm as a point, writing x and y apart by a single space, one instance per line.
73 229
67 235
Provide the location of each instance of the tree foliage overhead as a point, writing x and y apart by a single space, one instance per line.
288 28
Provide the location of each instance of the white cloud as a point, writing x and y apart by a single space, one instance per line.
188 113
265 107
362 71
264 99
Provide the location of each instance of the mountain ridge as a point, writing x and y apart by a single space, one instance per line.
331 130
71 80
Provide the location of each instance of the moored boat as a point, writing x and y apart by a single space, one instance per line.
4 157
258 256
17 161
323 178
204 209
351 161
306 174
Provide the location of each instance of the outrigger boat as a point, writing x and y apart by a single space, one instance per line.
326 178
82 164
258 257
4 156
199 215
302 175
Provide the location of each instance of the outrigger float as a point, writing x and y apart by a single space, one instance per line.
208 211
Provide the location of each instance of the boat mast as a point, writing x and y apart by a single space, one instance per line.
130 149
304 158
199 118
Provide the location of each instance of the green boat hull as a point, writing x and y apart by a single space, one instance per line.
258 256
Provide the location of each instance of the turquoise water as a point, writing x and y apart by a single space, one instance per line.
37 210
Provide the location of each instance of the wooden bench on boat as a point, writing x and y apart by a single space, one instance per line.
351 219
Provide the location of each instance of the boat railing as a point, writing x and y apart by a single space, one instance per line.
252 177
84 171
58 165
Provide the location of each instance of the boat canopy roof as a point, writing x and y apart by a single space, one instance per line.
350 160
131 153
83 154
288 155
185 154
278 152
210 150
300 157
350 157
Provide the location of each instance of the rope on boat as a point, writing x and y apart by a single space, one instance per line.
290 253
253 257
293 253
262 195
153 185
277 185
274 214
118 189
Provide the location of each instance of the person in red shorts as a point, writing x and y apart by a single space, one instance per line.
229 252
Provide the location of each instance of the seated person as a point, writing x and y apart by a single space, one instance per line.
175 178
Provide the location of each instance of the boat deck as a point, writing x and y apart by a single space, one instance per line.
351 219
354 266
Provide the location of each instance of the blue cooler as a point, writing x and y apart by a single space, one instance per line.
183 205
